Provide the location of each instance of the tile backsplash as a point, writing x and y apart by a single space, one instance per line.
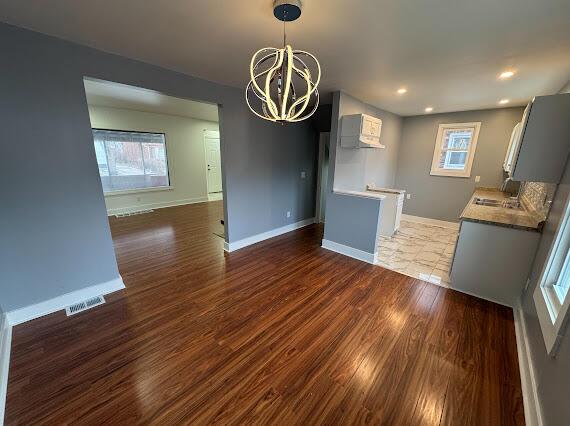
538 196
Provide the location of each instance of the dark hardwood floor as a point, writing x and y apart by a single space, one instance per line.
283 332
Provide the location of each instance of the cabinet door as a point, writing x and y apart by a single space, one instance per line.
399 208
545 140
366 127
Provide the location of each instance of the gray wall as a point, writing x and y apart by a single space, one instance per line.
441 197
355 168
552 374
55 234
351 221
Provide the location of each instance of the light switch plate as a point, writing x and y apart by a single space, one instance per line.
303 175
477 178
408 196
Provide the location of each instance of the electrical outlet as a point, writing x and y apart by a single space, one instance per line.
288 214
477 178
408 196
303 175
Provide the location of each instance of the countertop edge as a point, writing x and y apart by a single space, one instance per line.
385 190
360 194
503 225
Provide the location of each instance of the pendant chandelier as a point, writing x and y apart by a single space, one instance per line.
282 87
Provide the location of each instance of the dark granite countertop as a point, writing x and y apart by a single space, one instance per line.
501 216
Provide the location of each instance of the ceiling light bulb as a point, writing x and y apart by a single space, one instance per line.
428 109
506 74
402 90
504 101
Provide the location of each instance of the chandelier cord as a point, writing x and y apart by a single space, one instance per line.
284 22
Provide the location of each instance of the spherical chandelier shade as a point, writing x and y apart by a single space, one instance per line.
283 84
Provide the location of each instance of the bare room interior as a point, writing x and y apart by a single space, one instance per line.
285 212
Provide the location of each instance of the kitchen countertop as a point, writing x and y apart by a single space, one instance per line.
385 190
501 216
362 194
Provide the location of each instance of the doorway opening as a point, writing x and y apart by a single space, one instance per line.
158 156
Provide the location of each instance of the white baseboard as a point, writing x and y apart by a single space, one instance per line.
350 251
154 206
236 245
215 196
433 222
5 345
532 411
28 313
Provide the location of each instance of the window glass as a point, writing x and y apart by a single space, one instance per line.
563 282
455 149
131 160
101 158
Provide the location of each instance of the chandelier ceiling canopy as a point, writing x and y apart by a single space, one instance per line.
283 85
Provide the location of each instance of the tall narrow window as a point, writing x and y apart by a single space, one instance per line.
130 161
551 296
455 149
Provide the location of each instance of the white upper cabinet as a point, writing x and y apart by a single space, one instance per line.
543 146
360 131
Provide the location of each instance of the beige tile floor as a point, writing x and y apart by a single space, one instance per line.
419 250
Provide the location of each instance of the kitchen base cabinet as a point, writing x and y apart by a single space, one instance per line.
493 262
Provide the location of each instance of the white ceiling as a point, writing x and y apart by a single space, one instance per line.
447 53
108 94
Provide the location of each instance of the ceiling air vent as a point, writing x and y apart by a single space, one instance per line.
83 306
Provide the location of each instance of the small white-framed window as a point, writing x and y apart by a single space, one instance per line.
131 161
551 296
455 149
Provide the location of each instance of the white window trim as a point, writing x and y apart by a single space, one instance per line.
435 170
553 316
138 191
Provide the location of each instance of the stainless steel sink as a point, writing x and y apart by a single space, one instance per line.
508 204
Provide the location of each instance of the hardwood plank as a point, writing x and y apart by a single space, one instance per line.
282 332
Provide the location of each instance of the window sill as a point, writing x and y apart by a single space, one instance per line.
138 191
449 173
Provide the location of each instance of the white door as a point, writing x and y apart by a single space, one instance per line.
213 161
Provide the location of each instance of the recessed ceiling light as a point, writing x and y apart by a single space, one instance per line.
506 74
428 109
504 101
402 90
